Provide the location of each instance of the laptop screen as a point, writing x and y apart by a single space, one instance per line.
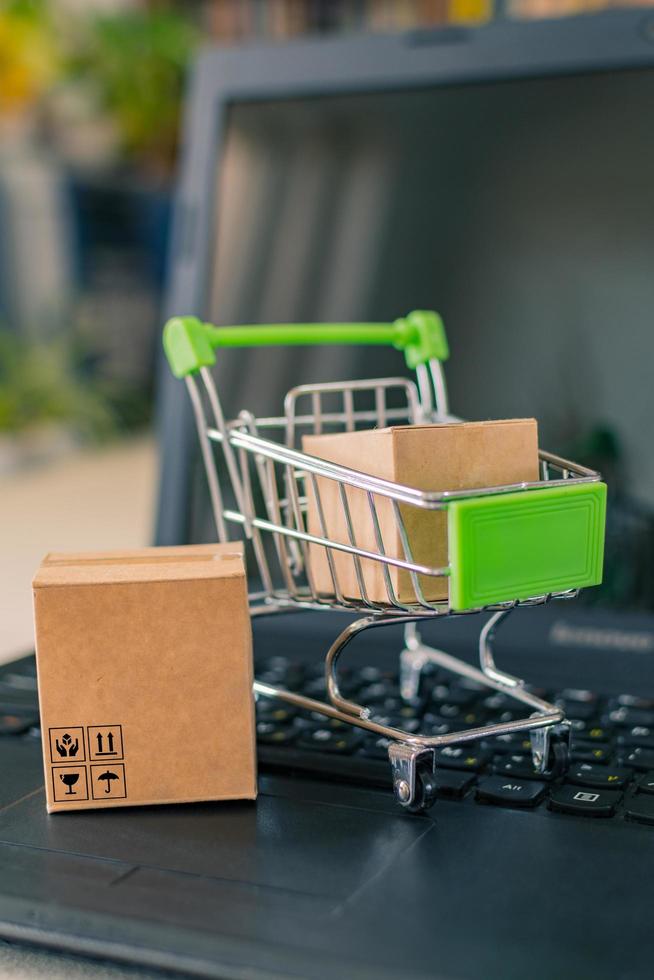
521 210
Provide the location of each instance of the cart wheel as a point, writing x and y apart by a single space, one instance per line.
559 760
426 789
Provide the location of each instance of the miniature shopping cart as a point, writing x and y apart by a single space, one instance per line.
523 544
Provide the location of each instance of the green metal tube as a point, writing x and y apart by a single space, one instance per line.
294 334
190 344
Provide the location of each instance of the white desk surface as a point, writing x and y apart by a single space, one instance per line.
85 501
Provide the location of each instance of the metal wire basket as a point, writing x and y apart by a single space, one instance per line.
520 544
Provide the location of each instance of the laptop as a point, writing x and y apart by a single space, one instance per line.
501 175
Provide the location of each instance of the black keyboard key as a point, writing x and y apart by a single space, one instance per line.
628 717
448 710
374 747
513 744
517 766
578 696
268 733
281 671
412 725
584 802
277 662
640 759
503 716
374 694
640 808
581 728
329 740
433 725
16 724
638 737
646 783
596 754
468 684
371 675
466 758
314 719
497 702
453 695
598 777
409 709
578 709
316 688
459 718
349 681
592 733
471 718
510 792
452 783
632 701
270 710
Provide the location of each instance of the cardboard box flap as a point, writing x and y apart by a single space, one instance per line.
399 429
142 565
458 423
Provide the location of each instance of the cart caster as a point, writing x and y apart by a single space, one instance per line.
414 779
550 749
425 789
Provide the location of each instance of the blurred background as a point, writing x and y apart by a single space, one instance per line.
90 99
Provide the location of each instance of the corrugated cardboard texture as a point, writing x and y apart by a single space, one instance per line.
456 456
144 665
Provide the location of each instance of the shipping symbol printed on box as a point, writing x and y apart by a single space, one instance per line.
108 782
105 742
71 747
69 784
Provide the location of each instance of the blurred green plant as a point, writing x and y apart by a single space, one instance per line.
40 385
29 56
135 62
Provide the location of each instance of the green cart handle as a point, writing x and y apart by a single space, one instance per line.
189 344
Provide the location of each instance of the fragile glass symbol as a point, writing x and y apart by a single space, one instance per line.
69 779
108 778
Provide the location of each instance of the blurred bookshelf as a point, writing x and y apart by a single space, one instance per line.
239 21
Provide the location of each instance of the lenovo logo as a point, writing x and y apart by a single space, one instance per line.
564 634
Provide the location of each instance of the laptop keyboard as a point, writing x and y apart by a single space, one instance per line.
611 772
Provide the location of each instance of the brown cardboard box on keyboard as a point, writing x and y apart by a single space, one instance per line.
448 456
144 663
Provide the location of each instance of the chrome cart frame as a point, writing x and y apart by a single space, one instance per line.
257 462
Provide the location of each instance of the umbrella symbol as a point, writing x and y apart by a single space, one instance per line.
108 778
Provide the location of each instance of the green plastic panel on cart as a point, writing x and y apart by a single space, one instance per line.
525 544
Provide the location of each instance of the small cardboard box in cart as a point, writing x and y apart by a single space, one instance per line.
144 663
445 456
